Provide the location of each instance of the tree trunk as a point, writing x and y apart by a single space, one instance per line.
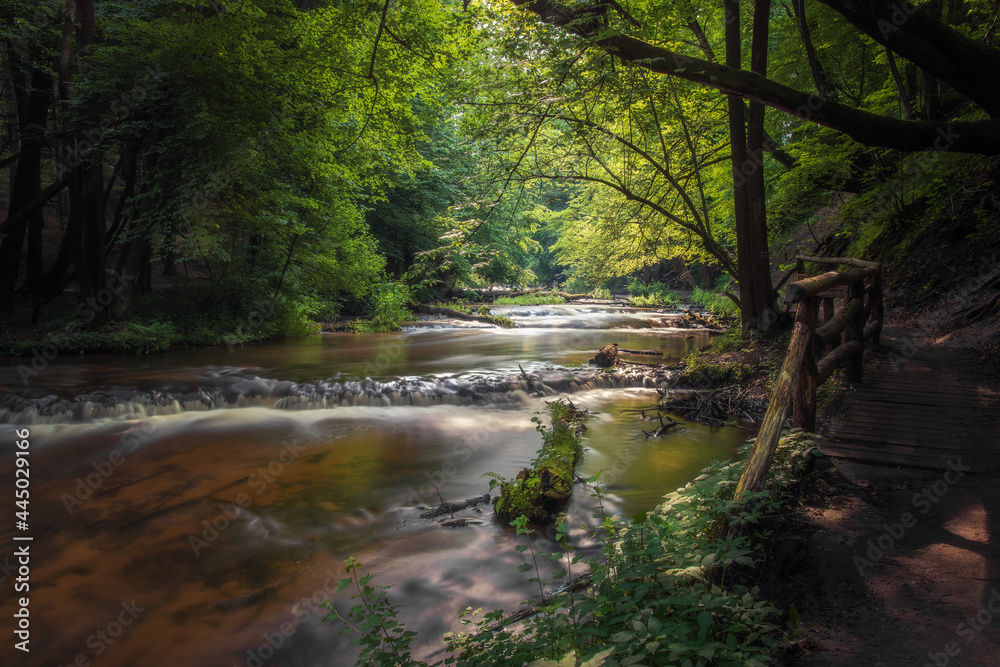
815 68
760 265
34 97
130 267
87 185
87 221
738 153
940 50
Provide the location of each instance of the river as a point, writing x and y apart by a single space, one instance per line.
193 507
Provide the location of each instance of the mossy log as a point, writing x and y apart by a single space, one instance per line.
544 490
424 309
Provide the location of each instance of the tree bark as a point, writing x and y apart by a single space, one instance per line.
770 145
87 185
34 97
815 67
738 154
760 265
904 97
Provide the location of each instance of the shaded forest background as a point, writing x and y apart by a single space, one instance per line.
203 172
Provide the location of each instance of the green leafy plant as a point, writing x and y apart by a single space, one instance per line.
390 302
544 488
383 640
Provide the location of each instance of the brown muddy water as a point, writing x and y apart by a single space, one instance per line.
194 508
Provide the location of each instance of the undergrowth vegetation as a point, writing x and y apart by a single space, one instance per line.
651 295
530 300
714 302
159 325
660 593
389 307
702 372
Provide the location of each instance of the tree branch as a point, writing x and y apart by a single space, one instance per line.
977 137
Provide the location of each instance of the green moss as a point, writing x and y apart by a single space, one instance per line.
543 490
699 371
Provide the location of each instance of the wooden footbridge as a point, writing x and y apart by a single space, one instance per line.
909 410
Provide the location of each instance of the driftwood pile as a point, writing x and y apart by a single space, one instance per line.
664 427
693 320
716 407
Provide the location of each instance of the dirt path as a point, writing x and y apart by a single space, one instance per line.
898 565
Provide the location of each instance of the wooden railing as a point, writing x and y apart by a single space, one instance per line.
816 351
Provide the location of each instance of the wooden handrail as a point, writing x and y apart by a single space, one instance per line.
849 261
800 374
812 286
832 329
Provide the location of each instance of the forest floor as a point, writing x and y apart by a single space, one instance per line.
869 590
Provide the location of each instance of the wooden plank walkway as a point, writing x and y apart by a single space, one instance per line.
917 412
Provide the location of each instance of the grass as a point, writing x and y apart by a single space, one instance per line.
529 300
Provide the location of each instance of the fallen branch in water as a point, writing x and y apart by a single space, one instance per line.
576 584
451 508
663 429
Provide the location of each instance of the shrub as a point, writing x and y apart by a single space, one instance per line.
389 307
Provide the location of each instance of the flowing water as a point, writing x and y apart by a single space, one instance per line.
194 507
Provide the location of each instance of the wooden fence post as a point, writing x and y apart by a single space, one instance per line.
855 332
875 298
828 310
804 398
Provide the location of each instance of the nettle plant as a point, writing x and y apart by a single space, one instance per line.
656 595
